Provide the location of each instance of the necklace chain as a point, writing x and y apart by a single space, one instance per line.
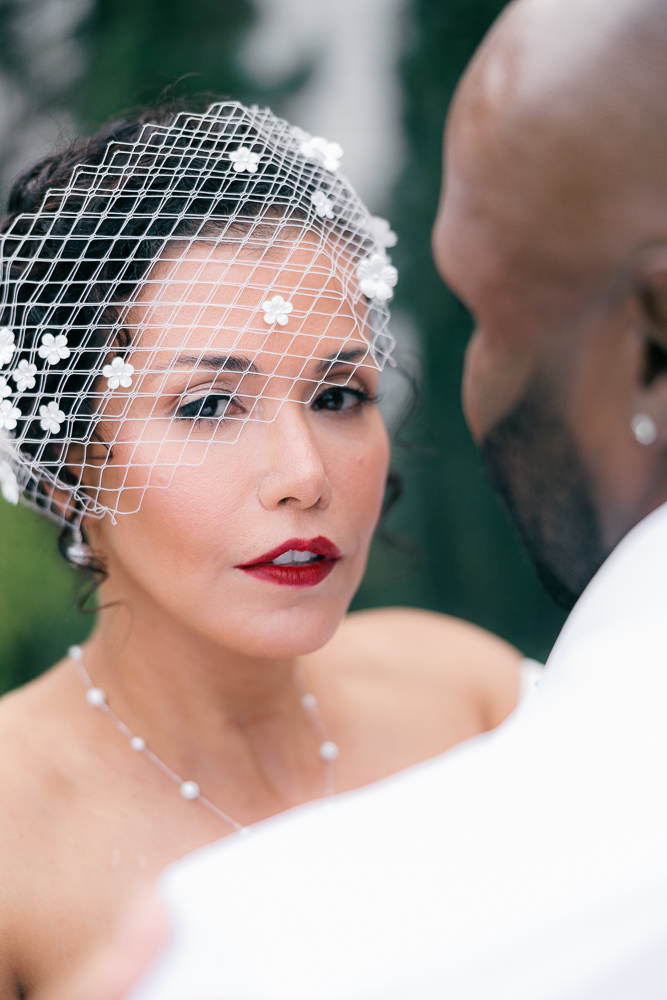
190 791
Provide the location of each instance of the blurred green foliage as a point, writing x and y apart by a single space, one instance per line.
470 562
140 48
457 552
38 598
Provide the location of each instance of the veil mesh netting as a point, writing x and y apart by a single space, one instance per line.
221 249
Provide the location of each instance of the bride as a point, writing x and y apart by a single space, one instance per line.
194 316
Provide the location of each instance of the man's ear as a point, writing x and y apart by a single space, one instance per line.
649 337
651 295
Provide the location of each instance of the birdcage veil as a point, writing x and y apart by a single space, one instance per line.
211 241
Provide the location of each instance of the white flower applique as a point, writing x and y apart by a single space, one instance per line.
9 484
24 376
329 154
51 418
5 388
323 206
54 349
243 158
9 414
377 276
300 134
7 347
118 373
382 232
277 310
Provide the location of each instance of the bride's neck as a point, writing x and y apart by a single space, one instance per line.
175 666
184 690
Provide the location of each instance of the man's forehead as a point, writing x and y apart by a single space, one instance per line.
473 238
516 236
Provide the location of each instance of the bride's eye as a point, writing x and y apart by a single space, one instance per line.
341 398
207 408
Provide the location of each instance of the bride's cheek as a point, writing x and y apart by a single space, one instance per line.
365 476
180 535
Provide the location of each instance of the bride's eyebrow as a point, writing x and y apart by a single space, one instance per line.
341 358
213 362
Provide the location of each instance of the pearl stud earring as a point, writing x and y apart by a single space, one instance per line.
644 428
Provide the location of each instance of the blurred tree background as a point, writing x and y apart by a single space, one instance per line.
471 563
455 550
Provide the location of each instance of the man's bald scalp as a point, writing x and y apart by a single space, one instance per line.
569 46
568 102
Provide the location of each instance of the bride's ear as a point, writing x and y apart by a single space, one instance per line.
62 496
62 499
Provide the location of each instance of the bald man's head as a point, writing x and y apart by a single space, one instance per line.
560 126
553 230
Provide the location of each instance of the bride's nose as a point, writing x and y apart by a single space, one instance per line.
295 475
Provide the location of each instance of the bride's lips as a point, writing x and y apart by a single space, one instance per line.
296 575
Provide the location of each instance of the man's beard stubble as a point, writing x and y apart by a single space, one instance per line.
532 462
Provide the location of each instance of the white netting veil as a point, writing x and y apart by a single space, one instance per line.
171 254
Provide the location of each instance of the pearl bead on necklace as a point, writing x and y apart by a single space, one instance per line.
190 791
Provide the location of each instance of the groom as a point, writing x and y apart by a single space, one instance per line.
530 863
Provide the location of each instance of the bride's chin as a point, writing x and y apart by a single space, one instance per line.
284 636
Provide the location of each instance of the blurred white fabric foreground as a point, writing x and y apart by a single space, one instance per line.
528 864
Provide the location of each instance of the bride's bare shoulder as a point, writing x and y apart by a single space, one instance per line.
29 778
25 737
32 742
436 652
29 706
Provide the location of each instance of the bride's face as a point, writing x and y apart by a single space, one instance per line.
239 448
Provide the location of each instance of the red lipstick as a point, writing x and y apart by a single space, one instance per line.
298 562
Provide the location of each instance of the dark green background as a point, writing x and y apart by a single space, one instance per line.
456 551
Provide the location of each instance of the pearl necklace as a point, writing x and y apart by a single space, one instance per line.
190 791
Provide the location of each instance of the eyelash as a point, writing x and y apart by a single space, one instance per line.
198 405
363 398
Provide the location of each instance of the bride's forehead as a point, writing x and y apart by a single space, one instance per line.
215 298
217 273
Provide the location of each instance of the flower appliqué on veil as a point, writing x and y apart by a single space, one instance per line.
243 158
5 388
7 347
323 206
277 310
299 134
329 154
377 277
51 418
9 414
24 376
382 232
118 373
54 349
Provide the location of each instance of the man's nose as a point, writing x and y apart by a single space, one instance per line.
295 474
